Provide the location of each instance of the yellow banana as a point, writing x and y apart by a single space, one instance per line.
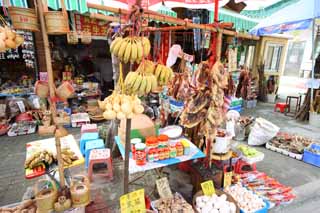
158 71
154 83
117 46
134 51
127 53
122 48
113 43
139 49
167 76
146 46
143 85
171 75
149 66
137 83
149 84
129 78
163 75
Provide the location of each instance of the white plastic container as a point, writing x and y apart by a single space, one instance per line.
222 144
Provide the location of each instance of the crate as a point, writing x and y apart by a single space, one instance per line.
310 157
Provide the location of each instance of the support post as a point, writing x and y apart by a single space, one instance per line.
313 63
218 45
47 57
126 159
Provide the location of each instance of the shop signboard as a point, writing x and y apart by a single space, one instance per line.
87 24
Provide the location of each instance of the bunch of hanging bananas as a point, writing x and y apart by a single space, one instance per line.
130 49
163 74
142 81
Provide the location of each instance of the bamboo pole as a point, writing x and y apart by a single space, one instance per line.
106 18
219 46
47 57
126 157
163 18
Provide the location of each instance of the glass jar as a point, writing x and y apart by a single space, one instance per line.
155 154
163 140
166 152
141 156
151 142
161 153
133 142
151 155
173 151
179 148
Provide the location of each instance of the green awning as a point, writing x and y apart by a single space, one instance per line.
76 5
16 3
167 11
241 22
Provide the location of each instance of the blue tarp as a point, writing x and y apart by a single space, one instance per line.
297 16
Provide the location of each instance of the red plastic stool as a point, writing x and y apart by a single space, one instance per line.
100 156
281 106
241 165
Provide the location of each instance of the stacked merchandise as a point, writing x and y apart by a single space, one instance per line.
236 104
267 187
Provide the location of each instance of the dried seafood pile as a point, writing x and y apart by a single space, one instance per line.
205 106
292 143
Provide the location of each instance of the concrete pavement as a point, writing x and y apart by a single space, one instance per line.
304 178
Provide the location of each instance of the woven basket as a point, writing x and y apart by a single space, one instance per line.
73 37
41 89
219 193
24 19
57 21
85 37
45 198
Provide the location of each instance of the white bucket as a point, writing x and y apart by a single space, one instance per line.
314 119
222 144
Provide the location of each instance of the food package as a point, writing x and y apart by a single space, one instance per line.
65 91
17 106
262 132
41 89
141 123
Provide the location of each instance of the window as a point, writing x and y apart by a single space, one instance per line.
273 57
294 58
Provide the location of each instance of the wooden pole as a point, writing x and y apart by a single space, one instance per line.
219 46
163 18
126 158
47 57
106 18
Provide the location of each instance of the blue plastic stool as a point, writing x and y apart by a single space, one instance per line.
85 137
94 144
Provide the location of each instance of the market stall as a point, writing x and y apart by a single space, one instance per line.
149 99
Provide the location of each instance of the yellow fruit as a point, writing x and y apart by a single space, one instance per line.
109 115
163 75
116 107
154 83
134 52
108 106
146 46
113 43
149 66
2 46
137 83
138 109
143 85
127 52
126 108
139 49
10 43
158 71
122 49
18 40
149 84
3 36
121 115
117 46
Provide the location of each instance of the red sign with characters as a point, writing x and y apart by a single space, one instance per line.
146 3
87 24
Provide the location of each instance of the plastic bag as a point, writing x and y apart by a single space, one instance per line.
34 102
262 132
17 106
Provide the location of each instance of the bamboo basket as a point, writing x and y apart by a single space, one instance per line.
57 21
72 37
85 37
24 19
45 198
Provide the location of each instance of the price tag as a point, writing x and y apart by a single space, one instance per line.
164 188
208 188
133 202
227 177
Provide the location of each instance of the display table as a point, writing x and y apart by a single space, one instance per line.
195 153
50 145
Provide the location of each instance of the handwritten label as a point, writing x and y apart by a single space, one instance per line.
227 178
133 202
164 188
208 188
